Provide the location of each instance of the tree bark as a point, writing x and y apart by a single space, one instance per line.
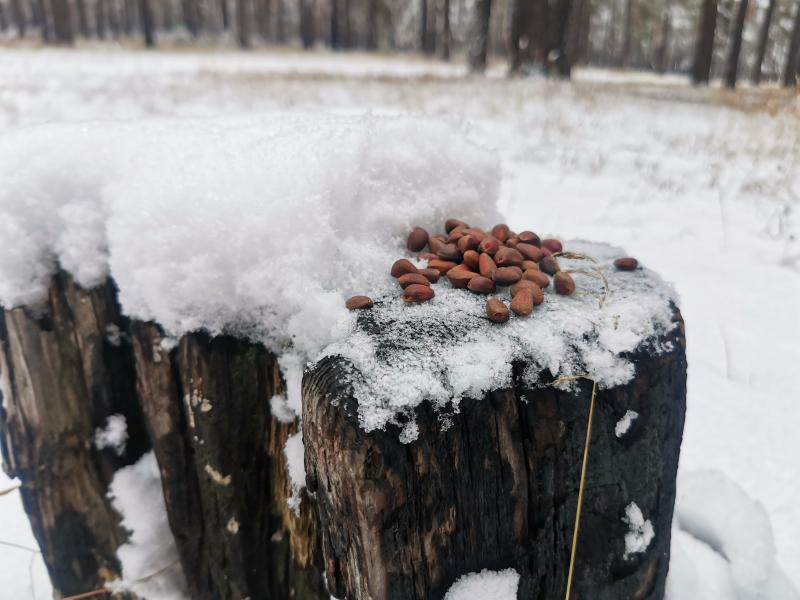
191 16
18 17
372 25
662 54
627 34
761 45
494 485
83 18
704 48
559 62
307 23
205 409
791 70
335 29
62 22
446 34
148 23
243 23
62 376
220 451
478 43
735 47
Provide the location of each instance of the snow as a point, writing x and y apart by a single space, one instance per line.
723 545
150 564
446 349
114 435
294 451
624 424
486 585
279 408
702 193
260 226
640 533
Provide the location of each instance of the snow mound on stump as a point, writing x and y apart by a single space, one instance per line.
254 226
446 349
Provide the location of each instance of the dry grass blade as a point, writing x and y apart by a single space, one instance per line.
595 270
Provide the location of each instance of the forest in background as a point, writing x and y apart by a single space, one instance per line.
757 40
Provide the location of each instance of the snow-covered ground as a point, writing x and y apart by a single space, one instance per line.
703 192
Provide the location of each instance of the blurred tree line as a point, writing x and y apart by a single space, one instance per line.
728 39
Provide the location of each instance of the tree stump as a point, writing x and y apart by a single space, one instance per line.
61 379
495 484
203 406
489 482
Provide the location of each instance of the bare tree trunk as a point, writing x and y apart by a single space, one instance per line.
518 36
704 48
243 23
83 18
100 18
761 46
626 34
225 14
372 25
18 16
559 61
791 71
307 23
423 25
478 42
446 34
62 22
148 23
191 16
663 44
3 17
735 47
335 35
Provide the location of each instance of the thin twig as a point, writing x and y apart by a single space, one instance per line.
19 547
582 483
9 490
91 594
595 271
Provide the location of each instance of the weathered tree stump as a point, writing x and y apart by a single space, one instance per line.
203 406
220 452
490 482
62 378
495 486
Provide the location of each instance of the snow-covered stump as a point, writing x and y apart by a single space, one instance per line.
65 369
411 500
221 456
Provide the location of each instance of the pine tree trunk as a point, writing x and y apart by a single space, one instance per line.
372 25
307 23
446 34
335 35
478 42
761 46
626 35
62 22
83 18
18 16
662 54
148 23
735 48
243 23
791 70
704 48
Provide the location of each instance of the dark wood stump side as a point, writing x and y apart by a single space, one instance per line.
223 470
63 376
497 487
